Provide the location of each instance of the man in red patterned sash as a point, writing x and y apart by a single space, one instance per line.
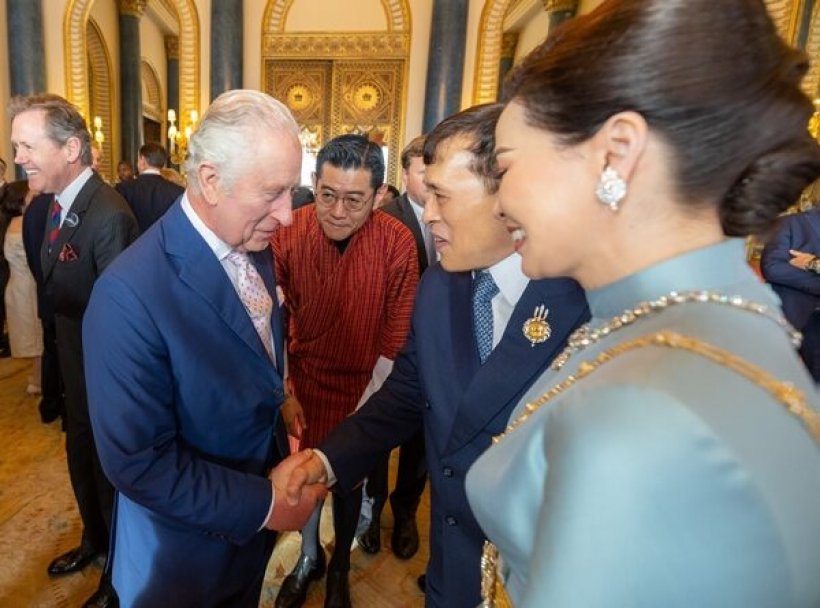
349 278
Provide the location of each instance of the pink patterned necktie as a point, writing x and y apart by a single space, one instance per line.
254 296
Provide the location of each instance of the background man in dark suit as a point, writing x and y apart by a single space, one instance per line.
89 225
412 473
4 265
460 373
35 219
791 263
186 400
149 195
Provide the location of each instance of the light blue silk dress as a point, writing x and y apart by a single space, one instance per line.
663 479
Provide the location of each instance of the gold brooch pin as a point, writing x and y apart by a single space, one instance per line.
536 329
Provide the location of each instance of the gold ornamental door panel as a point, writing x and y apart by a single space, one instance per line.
333 97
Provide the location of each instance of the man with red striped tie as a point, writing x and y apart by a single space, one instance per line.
89 224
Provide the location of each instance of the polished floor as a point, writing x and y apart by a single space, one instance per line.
39 520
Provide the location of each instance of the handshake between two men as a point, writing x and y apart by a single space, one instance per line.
300 484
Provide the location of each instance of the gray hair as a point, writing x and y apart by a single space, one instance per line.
63 120
232 121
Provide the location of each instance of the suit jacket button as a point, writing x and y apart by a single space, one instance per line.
450 520
427 404
447 471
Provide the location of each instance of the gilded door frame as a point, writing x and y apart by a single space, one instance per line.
105 96
392 44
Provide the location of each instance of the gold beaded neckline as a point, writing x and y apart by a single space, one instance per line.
584 337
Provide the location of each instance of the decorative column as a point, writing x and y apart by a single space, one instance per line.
27 67
560 11
130 77
226 46
27 70
445 62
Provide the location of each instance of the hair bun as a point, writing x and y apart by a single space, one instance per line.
769 186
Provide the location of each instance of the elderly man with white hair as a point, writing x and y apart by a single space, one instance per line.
184 363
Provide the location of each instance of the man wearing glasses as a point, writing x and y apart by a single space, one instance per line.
348 278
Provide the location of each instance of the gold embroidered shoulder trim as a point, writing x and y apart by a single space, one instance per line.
794 400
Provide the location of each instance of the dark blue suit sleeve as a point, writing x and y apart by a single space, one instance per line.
774 263
131 399
390 417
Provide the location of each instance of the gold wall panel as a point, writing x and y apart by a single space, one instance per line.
305 87
331 98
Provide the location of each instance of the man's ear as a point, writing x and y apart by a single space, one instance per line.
72 149
380 192
621 142
209 183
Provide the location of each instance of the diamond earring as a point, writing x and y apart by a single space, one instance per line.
611 189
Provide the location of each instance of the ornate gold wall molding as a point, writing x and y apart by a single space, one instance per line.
135 8
811 83
341 45
560 5
101 94
172 47
397 13
152 105
785 14
490 38
76 72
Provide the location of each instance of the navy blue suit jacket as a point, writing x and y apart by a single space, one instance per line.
438 384
799 290
184 402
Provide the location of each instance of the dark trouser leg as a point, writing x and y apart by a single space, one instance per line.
411 477
94 493
377 485
51 404
345 517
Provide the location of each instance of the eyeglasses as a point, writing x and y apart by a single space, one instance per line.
351 203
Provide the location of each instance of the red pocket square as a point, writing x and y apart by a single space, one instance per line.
67 253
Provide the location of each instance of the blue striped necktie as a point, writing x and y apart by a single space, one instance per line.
484 290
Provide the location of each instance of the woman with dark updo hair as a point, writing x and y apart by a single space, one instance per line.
669 457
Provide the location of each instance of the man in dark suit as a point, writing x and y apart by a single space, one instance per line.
89 225
52 404
412 473
185 402
149 195
4 265
791 263
481 335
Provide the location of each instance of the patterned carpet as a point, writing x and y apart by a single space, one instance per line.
39 520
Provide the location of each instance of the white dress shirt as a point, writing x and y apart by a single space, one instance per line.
69 194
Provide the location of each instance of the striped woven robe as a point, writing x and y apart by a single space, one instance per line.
343 311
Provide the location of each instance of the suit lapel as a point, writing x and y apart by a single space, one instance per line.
203 273
409 219
79 208
465 352
515 362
